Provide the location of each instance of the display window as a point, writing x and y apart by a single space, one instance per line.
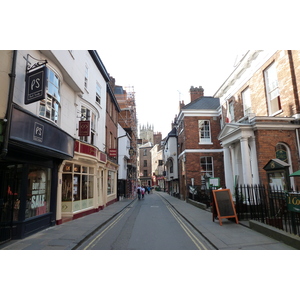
110 182
77 187
38 191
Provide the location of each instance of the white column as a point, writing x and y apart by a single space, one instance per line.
247 174
254 163
228 169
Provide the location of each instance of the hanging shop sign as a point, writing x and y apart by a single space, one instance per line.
84 128
112 152
35 85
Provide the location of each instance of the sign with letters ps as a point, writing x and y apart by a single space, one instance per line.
36 81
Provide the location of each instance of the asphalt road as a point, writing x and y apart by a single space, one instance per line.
147 224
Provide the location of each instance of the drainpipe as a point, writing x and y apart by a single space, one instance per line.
12 76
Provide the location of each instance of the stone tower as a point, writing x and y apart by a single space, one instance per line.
146 133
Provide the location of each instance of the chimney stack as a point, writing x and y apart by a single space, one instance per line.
196 92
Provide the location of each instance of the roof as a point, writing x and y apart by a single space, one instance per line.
203 103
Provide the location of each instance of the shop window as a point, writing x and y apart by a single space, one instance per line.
10 193
77 187
50 107
38 191
110 182
204 131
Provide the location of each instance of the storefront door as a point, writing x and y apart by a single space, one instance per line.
10 188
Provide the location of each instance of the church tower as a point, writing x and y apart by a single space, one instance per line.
146 134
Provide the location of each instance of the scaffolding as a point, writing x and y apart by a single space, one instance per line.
128 120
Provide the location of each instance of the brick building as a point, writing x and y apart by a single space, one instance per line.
199 151
260 118
145 164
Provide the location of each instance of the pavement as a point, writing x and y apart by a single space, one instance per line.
69 235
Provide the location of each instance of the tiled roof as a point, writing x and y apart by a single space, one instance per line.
203 103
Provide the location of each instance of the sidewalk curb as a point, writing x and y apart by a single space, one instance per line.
275 233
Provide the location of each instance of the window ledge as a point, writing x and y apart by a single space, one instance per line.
203 143
276 113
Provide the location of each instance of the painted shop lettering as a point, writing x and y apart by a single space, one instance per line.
35 83
37 201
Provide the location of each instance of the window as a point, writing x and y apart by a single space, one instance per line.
145 163
50 107
77 187
272 89
85 116
145 152
246 101
98 93
145 173
206 167
171 166
38 201
86 76
93 128
111 182
204 131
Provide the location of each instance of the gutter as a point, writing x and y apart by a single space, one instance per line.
12 76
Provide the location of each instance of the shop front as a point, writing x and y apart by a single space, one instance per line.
29 174
82 181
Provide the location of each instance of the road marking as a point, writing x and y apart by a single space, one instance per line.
190 234
103 232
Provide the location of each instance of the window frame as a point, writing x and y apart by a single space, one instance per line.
246 98
86 77
98 93
49 108
203 130
272 86
204 176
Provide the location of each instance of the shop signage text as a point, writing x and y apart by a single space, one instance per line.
112 152
84 128
36 82
293 203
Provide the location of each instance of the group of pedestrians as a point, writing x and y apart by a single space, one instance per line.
142 190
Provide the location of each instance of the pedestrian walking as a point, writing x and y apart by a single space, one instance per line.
143 192
139 192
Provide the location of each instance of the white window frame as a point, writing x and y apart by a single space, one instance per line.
246 101
272 90
207 173
86 77
50 107
98 93
204 132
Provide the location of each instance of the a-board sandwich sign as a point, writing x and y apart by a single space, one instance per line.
223 206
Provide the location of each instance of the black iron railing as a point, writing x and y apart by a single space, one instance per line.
268 205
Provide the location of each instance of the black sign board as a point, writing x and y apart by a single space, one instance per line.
41 137
36 82
223 206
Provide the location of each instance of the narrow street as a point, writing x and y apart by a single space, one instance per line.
147 224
